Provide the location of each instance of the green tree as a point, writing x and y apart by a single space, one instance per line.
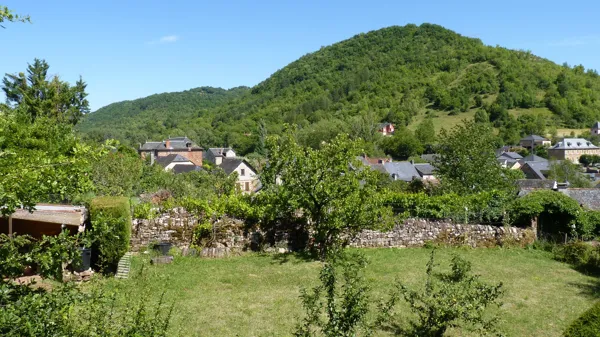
425 132
402 145
117 172
456 299
565 171
467 161
481 116
7 15
36 95
328 187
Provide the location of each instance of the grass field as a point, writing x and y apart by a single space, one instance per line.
257 295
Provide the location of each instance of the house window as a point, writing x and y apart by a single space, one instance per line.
247 186
243 172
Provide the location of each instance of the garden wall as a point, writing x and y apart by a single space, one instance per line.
177 225
417 232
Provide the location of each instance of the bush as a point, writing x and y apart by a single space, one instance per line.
587 325
583 256
457 299
111 231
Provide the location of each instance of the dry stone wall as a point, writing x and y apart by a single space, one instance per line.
177 226
417 232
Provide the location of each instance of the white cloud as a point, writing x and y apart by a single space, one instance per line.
576 41
166 39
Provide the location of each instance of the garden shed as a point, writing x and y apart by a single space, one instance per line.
46 219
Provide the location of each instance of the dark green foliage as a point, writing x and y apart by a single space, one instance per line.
555 213
393 73
467 161
336 195
582 255
14 254
37 96
53 251
111 230
403 144
453 300
338 306
566 171
586 325
474 208
159 116
117 172
589 159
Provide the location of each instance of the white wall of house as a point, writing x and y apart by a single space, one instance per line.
247 178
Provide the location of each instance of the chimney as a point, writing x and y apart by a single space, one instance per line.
151 158
168 143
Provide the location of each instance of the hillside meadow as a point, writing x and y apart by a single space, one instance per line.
257 295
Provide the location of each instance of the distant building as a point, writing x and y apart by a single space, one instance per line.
216 154
572 148
226 159
176 145
177 163
595 130
386 129
426 171
247 178
511 160
533 141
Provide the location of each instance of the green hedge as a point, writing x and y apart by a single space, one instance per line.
587 325
110 231
480 207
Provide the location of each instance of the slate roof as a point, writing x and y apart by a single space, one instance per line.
230 164
430 158
511 155
533 157
596 125
537 168
219 151
164 161
179 168
402 170
425 169
536 184
175 143
533 137
574 144
587 197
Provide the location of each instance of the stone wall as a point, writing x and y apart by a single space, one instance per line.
417 232
177 227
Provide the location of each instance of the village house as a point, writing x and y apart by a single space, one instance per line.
216 154
533 141
595 130
386 129
177 145
572 148
511 160
226 159
177 163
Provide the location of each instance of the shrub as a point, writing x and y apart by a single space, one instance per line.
111 230
587 325
556 212
339 305
576 253
457 299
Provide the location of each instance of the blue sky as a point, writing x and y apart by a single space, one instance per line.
129 49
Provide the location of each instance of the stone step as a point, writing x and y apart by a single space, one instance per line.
123 266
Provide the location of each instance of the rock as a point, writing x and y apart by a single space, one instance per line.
161 260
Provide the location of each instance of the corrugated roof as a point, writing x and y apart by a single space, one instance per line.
58 214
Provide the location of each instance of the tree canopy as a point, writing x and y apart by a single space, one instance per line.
394 74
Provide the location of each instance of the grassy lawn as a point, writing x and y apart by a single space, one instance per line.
257 295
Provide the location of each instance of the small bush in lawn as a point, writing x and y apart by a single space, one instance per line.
576 253
338 306
111 230
457 299
587 325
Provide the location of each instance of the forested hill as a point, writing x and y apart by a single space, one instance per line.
158 116
401 74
